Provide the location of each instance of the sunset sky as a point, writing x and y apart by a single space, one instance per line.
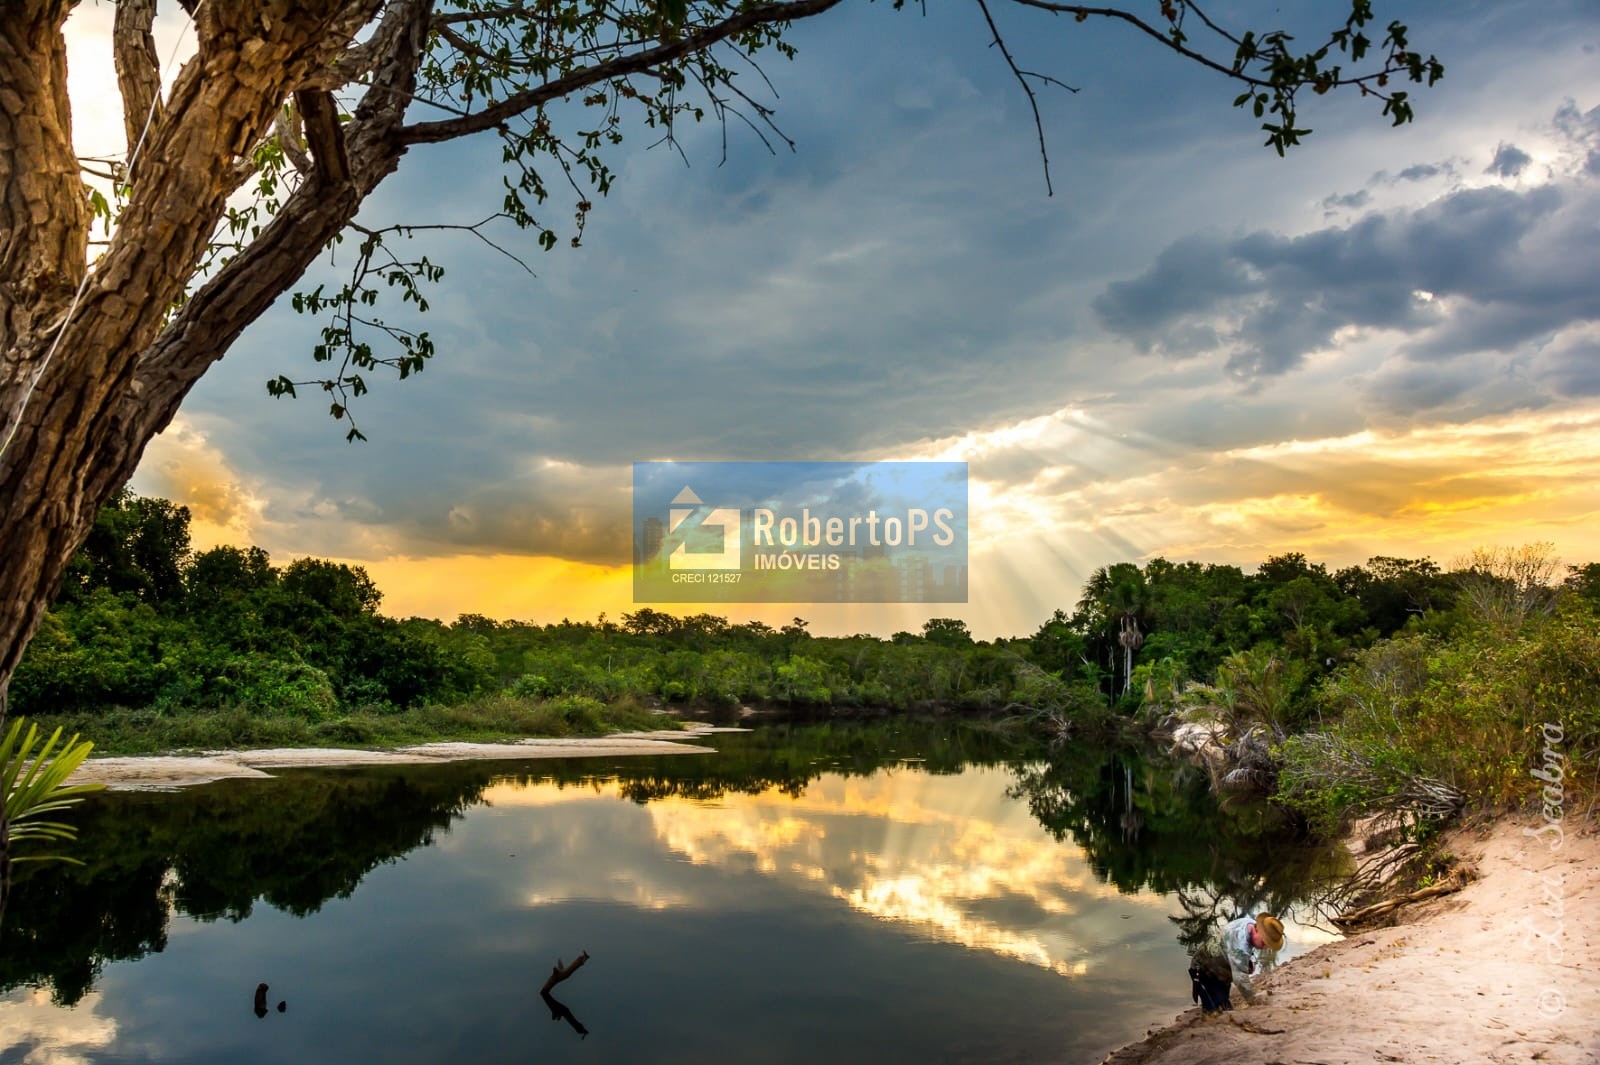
1387 343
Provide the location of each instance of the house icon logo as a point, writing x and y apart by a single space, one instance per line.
702 537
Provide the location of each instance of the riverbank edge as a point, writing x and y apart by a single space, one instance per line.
162 772
1439 984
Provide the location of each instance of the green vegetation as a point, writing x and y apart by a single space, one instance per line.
1494 677
1396 686
1463 710
33 789
489 718
33 785
151 646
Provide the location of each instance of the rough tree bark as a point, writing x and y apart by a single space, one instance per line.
89 414
115 371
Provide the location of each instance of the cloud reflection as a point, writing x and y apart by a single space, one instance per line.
948 858
45 1034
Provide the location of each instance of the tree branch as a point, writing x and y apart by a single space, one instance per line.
202 331
1082 13
487 14
287 128
320 116
1033 99
560 972
138 68
494 115
361 59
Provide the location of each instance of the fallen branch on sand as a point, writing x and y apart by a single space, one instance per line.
1356 918
561 972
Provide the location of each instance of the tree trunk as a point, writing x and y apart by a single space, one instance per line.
118 366
89 374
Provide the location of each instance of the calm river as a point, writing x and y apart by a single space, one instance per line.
906 891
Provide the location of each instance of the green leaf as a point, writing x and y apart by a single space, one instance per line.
33 781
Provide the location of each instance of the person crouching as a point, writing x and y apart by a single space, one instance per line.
1232 958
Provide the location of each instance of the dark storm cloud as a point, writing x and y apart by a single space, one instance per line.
1348 201
1416 172
1509 161
1478 269
1571 363
1582 132
1192 277
1470 387
1420 172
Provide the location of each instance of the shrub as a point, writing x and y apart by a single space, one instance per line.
364 693
1419 723
805 680
531 686
579 712
276 687
345 730
1057 706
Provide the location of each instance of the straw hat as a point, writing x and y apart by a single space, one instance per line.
1271 930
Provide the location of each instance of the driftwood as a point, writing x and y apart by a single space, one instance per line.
1359 917
560 1012
561 972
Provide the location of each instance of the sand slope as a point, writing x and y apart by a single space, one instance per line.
1507 970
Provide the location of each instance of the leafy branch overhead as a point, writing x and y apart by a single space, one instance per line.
501 69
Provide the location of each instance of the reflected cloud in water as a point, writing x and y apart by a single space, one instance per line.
950 858
44 1034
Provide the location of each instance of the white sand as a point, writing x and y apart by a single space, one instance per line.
162 772
1506 970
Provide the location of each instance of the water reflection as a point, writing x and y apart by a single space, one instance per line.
1149 825
950 858
560 1012
53 1036
828 894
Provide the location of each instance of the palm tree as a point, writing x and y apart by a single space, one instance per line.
1131 639
1116 594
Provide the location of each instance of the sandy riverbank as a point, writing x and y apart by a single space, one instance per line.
1506 970
153 772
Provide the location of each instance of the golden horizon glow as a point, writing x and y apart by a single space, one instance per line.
1437 491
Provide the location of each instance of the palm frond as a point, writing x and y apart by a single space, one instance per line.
33 780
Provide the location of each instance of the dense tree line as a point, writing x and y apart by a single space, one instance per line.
142 620
1486 652
1137 630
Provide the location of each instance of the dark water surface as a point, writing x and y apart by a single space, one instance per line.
906 891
